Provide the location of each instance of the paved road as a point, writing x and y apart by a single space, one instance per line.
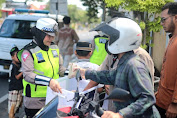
4 97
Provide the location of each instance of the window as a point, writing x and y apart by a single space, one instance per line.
20 29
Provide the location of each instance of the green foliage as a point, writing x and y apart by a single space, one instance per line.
47 6
92 9
142 25
72 10
138 5
80 16
154 25
1 1
144 46
77 15
146 10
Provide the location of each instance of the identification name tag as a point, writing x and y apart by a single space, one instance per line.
102 41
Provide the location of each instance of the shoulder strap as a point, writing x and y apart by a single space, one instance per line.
30 46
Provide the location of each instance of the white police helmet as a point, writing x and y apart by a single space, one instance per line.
125 35
47 25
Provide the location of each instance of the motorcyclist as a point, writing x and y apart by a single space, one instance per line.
131 73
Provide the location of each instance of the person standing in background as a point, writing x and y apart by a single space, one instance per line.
99 52
166 96
83 52
15 85
65 41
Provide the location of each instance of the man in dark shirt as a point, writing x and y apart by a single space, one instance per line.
15 85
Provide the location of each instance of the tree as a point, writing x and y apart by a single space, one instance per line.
1 2
80 16
92 10
77 15
145 13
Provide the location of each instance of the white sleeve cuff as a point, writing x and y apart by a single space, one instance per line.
42 80
66 72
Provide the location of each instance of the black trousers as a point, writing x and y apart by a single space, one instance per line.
161 111
30 112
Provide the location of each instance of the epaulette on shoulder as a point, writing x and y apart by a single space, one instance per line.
30 46
96 36
105 36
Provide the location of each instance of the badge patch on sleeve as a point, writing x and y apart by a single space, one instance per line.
40 58
102 41
55 54
25 56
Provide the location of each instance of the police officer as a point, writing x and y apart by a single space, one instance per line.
40 66
99 52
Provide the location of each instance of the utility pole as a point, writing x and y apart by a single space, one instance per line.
104 12
59 7
57 11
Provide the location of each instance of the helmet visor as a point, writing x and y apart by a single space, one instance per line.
108 30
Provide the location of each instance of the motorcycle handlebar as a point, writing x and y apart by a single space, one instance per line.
100 111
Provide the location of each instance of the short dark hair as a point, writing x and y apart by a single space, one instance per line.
83 48
13 50
172 6
66 20
82 52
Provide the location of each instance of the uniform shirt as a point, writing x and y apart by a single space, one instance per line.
144 55
83 63
66 39
167 91
29 76
15 84
133 76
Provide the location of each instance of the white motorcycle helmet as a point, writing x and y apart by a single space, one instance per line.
124 35
47 25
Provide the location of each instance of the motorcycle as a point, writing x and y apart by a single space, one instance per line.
85 106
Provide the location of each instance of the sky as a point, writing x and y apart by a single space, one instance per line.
78 3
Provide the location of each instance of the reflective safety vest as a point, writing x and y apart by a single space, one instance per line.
99 52
46 63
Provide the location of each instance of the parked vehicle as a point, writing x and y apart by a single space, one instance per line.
15 30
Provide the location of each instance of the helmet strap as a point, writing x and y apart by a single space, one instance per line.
115 57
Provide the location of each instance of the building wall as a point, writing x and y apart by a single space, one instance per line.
158 49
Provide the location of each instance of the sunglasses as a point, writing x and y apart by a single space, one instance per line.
164 19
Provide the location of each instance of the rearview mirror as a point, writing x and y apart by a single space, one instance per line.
119 94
